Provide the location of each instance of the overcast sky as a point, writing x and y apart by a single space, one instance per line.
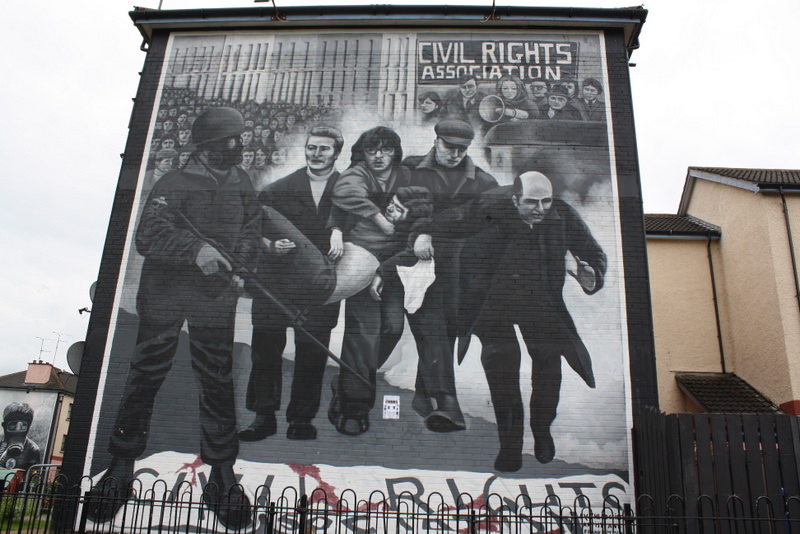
714 85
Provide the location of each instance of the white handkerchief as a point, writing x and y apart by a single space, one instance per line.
416 281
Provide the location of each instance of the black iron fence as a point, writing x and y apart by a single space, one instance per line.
41 506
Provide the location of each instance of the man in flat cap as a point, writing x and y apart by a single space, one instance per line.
449 173
190 214
590 107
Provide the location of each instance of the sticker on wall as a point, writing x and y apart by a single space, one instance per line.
391 407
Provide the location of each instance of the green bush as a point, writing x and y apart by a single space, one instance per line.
10 508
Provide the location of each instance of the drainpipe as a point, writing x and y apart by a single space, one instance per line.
791 245
716 305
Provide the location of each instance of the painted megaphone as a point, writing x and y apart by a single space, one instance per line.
491 108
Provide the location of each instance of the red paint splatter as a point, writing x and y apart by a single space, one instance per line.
489 523
305 470
492 524
193 466
374 505
327 493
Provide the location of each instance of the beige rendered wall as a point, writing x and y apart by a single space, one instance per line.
683 315
61 429
786 290
761 330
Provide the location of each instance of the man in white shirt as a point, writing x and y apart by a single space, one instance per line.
304 197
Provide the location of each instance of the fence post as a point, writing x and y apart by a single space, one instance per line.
302 512
270 518
794 423
628 518
84 511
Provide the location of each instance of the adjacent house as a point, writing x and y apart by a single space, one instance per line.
48 393
725 293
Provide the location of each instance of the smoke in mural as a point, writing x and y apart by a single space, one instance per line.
377 261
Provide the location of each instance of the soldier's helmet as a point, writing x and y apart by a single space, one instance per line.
18 411
215 124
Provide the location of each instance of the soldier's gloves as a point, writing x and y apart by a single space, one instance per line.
210 260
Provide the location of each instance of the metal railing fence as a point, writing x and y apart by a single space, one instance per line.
55 506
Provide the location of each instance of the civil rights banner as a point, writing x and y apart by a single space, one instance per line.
445 60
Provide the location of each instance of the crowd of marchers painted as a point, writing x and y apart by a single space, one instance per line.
512 100
271 128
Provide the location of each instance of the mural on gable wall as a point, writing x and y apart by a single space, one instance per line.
26 427
378 261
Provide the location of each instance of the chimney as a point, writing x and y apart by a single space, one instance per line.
38 373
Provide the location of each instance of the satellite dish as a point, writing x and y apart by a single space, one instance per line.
91 291
75 356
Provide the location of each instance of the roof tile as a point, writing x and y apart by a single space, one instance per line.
724 393
669 224
59 380
757 176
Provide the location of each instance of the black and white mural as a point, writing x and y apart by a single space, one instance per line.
378 261
27 418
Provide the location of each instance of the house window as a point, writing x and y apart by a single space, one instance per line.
69 411
64 440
